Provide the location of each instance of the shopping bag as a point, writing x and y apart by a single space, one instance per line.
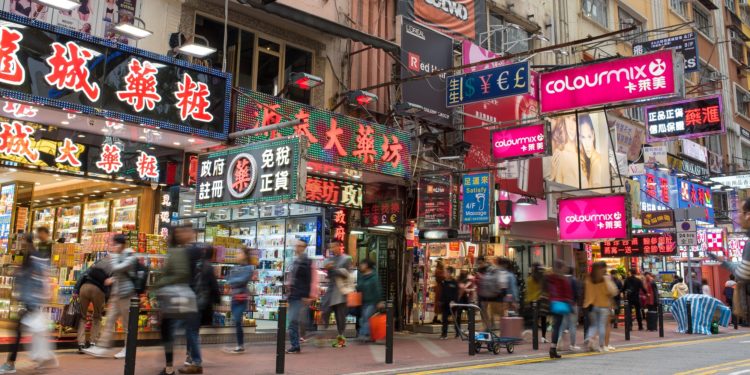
354 299
176 300
377 327
71 314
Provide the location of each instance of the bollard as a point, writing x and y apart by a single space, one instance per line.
389 332
628 320
660 311
281 337
689 318
472 331
735 320
535 325
132 336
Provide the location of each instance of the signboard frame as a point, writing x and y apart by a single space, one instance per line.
652 138
547 143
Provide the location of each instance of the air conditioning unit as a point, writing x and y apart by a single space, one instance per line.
714 76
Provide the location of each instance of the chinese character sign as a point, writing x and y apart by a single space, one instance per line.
382 213
502 81
262 172
592 218
650 244
332 138
519 142
658 190
478 191
658 219
334 192
613 81
690 194
339 224
74 71
694 118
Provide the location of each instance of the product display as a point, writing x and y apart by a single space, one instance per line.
68 223
95 219
124 214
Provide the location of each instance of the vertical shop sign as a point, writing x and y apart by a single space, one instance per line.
7 202
478 194
435 209
334 192
169 201
339 224
382 213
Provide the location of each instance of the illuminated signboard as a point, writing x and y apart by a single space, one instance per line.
499 82
478 191
741 181
658 190
334 192
382 213
435 202
693 118
262 172
658 219
77 72
690 194
520 142
333 138
340 222
583 219
641 244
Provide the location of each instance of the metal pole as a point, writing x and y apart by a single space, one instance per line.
281 337
689 318
535 325
660 308
264 129
628 317
472 331
132 336
389 332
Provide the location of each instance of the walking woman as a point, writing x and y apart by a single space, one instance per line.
599 292
238 279
535 293
561 299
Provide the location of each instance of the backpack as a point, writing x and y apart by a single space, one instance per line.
140 277
202 286
494 284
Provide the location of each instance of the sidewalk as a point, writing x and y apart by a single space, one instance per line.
410 351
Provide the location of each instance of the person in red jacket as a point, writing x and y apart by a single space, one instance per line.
560 290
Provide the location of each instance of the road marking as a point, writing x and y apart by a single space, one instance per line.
709 368
579 355
378 353
433 348
740 372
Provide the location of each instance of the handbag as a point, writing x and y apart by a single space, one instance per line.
560 308
354 299
177 300
71 314
377 327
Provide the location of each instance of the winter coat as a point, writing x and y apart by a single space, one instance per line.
301 278
122 266
369 285
238 279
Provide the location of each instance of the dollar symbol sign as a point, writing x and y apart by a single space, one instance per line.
469 89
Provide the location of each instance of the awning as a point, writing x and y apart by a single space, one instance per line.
327 26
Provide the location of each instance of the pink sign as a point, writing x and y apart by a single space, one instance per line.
592 218
614 81
520 142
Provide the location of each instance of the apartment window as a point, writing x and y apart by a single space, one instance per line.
505 37
703 21
256 63
730 5
598 10
709 78
627 20
745 14
737 46
680 7
742 98
635 114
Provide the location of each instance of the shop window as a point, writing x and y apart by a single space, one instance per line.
703 21
708 78
214 32
680 7
597 10
745 161
627 20
742 98
245 69
267 80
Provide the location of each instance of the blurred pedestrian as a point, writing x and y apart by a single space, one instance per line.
466 290
438 288
633 289
122 264
340 284
729 290
449 294
705 288
44 243
599 292
561 298
238 279
570 322
207 294
369 285
535 292
300 294
680 288
617 300
91 290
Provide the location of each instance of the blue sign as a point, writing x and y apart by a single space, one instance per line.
506 80
477 193
658 190
690 194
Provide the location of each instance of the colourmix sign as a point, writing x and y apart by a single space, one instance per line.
649 76
592 218
520 142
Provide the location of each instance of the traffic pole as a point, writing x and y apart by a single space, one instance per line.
281 337
535 325
628 319
132 336
660 311
472 331
389 332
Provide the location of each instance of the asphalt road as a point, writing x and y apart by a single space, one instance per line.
716 356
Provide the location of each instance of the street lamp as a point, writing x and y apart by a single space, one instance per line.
132 31
407 108
66 5
361 98
304 81
196 50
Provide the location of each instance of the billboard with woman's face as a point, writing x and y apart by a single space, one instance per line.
580 151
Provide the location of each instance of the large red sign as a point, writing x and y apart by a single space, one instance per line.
334 192
642 244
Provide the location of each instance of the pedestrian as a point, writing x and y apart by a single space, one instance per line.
340 284
499 290
740 270
695 284
633 288
448 295
122 264
238 279
729 290
652 301
90 290
680 288
705 288
466 291
535 292
177 300
369 285
300 292
438 288
44 243
599 292
617 300
33 292
561 298
570 322
207 294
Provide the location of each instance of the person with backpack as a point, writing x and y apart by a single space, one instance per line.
122 264
206 295
633 288
90 290
496 285
449 294
561 299
570 321
238 278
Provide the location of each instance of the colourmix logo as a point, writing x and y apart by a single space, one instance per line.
656 69
519 141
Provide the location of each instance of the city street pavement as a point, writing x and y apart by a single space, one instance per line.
415 352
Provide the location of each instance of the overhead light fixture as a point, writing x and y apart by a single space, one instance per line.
132 31
680 174
304 81
707 182
196 50
65 122
541 37
562 52
526 201
66 5
385 227
696 180
717 187
81 135
361 98
356 232
407 108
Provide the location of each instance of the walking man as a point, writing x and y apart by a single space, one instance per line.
340 285
299 293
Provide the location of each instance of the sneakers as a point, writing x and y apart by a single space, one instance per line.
98 352
293 351
164 372
575 348
610 348
192 369
237 350
340 342
544 340
81 349
121 354
48 364
7 368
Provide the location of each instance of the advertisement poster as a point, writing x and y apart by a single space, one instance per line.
461 19
684 44
28 8
477 198
629 138
655 154
113 12
82 19
435 202
591 218
580 151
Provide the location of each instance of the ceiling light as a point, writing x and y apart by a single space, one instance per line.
309 168
356 232
37 183
357 177
196 50
385 227
65 196
133 185
142 137
22 186
114 188
58 179
186 200
332 172
176 143
56 175
81 194
81 136
37 200
152 148
696 180
304 81
66 5
97 191
65 122
680 174
105 130
191 140
132 31
49 199
13 170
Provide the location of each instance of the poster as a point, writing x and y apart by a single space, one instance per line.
629 138
81 19
30 9
580 151
114 12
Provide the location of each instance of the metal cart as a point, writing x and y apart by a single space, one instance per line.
486 338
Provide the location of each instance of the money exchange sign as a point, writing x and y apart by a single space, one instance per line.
502 81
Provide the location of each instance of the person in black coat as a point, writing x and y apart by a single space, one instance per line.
633 288
449 293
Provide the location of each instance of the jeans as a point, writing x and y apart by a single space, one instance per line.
192 339
367 311
238 311
570 322
295 313
167 338
556 324
598 318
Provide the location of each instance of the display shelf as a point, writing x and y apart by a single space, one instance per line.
44 217
124 214
68 223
